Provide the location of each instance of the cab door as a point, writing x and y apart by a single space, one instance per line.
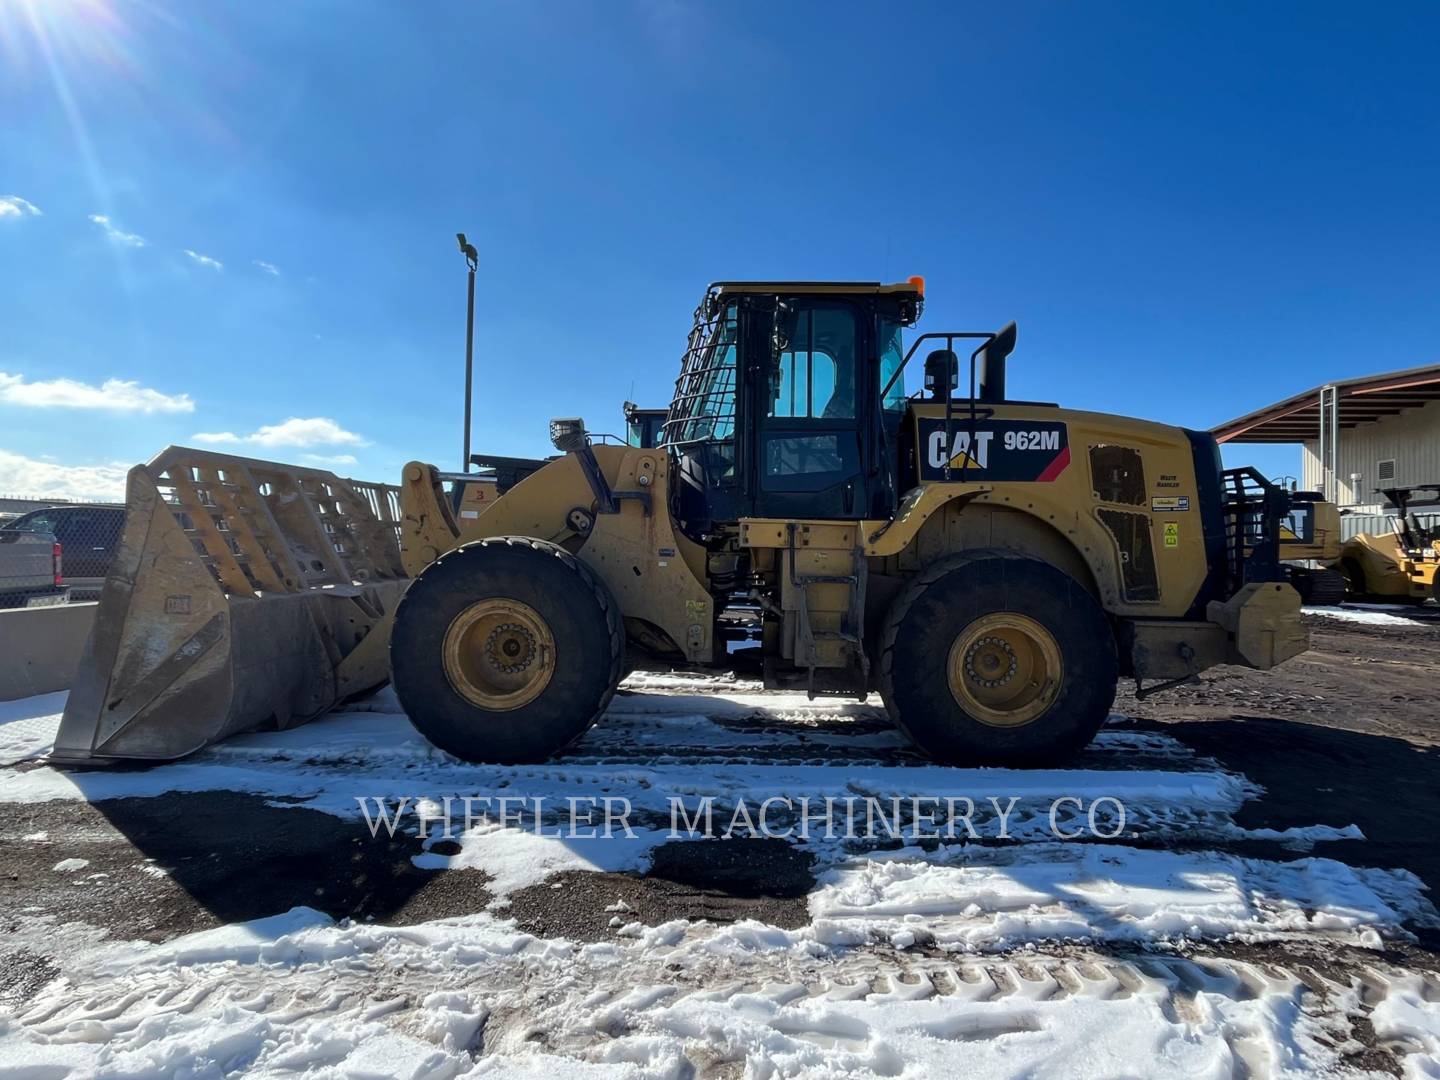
809 404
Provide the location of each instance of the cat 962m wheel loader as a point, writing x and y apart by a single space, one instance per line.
990 566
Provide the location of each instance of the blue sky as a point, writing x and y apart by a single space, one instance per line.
1191 209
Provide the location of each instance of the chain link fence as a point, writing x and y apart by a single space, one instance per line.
55 551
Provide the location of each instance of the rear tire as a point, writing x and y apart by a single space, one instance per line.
998 659
506 650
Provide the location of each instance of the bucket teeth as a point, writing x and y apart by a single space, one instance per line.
243 593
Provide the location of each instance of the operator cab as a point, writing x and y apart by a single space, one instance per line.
642 426
787 405
1413 536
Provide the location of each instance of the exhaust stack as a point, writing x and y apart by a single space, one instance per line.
992 364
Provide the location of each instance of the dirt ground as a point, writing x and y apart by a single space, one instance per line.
1346 733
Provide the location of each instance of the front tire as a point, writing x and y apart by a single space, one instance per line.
506 650
998 659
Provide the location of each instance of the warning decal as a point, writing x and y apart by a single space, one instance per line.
1014 450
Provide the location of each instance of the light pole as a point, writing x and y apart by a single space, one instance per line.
471 260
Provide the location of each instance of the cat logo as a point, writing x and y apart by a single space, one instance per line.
961 455
990 449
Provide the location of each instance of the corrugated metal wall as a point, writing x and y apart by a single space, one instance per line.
1412 439
1352 524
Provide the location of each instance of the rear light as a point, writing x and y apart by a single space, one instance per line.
55 553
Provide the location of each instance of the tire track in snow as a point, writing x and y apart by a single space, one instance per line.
784 1012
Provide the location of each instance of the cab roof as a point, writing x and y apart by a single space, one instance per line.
914 287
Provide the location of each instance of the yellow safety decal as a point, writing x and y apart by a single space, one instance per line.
1172 534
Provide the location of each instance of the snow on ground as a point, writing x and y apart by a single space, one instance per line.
1000 898
661 753
807 749
28 726
298 993
923 956
1371 615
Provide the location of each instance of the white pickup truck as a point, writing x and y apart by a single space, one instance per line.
30 570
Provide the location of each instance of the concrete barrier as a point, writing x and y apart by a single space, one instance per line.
40 648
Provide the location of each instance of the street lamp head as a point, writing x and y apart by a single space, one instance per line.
467 249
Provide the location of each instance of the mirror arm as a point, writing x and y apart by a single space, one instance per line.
948 337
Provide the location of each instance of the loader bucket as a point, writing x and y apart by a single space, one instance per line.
243 593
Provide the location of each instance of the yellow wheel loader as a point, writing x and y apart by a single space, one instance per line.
1399 566
990 566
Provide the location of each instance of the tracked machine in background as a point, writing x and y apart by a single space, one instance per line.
1310 546
990 566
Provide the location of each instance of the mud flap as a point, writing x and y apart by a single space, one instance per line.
243 593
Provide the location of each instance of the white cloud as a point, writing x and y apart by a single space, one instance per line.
309 431
205 260
331 459
269 268
20 475
117 395
117 236
16 207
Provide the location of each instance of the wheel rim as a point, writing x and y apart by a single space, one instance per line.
499 654
1004 669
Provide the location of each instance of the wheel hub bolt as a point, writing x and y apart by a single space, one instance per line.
990 653
510 648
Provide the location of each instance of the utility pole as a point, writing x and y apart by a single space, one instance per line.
471 260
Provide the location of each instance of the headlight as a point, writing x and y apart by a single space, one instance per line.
568 434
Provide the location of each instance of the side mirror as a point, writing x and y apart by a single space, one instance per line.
942 373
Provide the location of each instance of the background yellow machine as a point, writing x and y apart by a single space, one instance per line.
1400 565
1310 546
990 566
